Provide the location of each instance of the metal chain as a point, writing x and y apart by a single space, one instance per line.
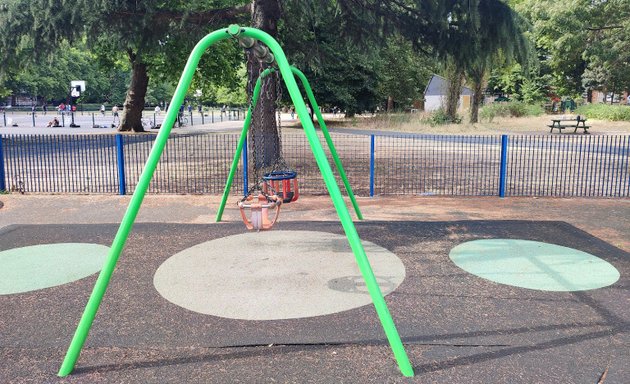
280 164
253 142
279 109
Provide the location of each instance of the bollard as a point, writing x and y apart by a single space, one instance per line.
202 119
4 115
33 115
93 121
191 118
211 115
154 121
63 119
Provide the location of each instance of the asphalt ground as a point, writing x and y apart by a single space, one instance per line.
456 327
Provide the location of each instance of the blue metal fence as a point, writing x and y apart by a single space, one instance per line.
520 165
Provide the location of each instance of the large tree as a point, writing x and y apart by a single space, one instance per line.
478 32
586 42
147 33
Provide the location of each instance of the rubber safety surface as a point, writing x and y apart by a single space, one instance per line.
457 327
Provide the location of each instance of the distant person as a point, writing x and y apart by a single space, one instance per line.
116 119
33 110
73 108
62 108
189 108
45 108
628 100
199 108
102 109
53 123
157 110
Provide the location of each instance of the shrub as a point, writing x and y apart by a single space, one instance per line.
511 109
439 117
605 112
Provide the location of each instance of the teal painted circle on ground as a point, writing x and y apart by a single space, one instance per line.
48 265
534 265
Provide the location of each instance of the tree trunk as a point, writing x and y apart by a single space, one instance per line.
264 134
455 81
390 104
476 101
477 77
130 119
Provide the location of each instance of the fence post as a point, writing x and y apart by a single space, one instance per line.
503 169
212 115
121 165
4 115
202 120
3 186
154 122
371 165
245 166
93 121
191 118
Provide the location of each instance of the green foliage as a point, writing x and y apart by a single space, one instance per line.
117 33
404 73
510 109
342 73
605 112
514 81
440 117
584 43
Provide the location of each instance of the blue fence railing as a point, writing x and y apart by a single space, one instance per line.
515 165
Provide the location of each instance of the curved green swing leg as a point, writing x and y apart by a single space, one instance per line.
102 282
331 146
322 124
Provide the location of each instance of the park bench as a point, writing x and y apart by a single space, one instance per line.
576 122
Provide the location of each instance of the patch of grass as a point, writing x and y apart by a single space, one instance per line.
605 112
510 109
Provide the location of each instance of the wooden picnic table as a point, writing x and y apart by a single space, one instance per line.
574 122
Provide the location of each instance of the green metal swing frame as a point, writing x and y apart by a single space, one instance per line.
320 121
235 31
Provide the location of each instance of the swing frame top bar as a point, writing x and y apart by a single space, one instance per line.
127 222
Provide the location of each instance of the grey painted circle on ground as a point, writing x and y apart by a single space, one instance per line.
534 265
41 266
274 275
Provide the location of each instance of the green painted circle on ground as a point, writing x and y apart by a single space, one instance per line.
534 265
48 265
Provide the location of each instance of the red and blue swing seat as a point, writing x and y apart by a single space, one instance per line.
281 182
276 188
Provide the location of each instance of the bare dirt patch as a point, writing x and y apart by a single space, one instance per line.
415 123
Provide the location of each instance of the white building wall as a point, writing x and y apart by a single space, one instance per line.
433 103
